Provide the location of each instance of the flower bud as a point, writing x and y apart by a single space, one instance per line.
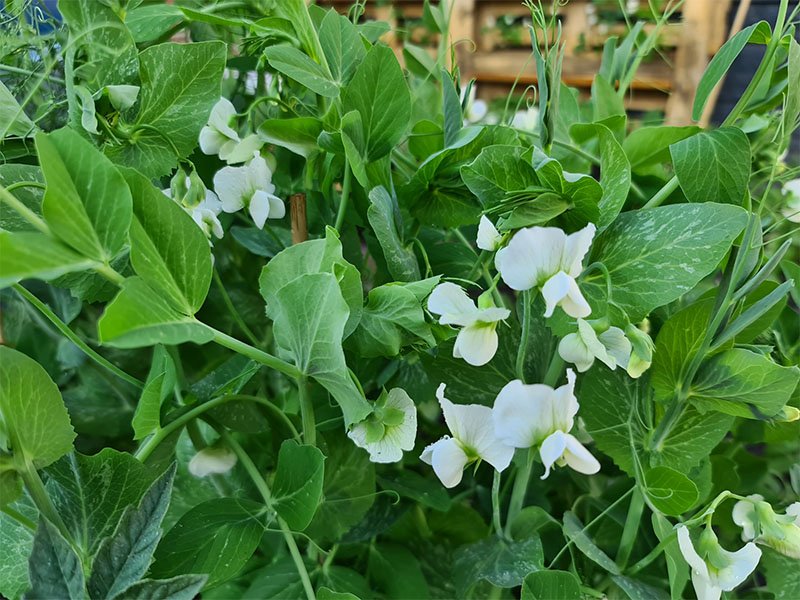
214 460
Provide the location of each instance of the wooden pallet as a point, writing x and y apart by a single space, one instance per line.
501 52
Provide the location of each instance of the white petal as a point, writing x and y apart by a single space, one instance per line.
382 451
565 404
492 314
221 117
488 236
551 450
211 140
616 345
212 461
243 151
523 414
277 209
471 425
794 510
690 555
405 434
476 344
554 291
742 562
226 149
452 303
532 255
497 454
579 458
259 174
573 350
705 588
259 208
211 203
575 248
744 515
230 184
447 459
574 304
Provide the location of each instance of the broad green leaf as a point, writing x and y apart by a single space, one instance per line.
296 12
16 542
496 171
615 172
743 383
384 217
141 316
670 491
393 318
379 92
168 250
783 577
341 43
33 414
87 203
713 166
31 197
298 66
181 587
791 108
605 100
30 255
309 316
13 120
315 256
55 570
297 488
149 22
501 562
92 492
215 538
723 60
159 385
654 256
451 109
649 146
574 530
397 572
298 134
278 580
326 593
677 568
638 590
180 85
125 557
551 585
411 484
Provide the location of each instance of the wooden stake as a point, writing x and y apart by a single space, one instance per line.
299 224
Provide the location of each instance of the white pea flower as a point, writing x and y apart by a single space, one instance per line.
477 341
204 213
475 110
791 190
251 187
122 97
538 415
212 461
761 524
218 137
527 120
245 150
548 258
715 569
389 430
488 236
642 348
610 347
473 439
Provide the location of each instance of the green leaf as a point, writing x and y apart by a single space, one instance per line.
783 577
13 120
713 166
670 491
30 255
87 203
410 484
677 568
141 316
298 66
298 134
615 171
149 22
16 543
379 92
397 572
125 557
501 562
451 109
182 587
168 250
309 316
648 146
791 108
33 414
638 590
743 383
654 256
180 85
384 217
551 585
215 538
723 60
92 492
341 43
278 580
158 387
297 489
326 593
11 173
574 530
496 171
55 570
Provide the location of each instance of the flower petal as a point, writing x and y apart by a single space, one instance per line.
259 208
532 255
573 350
452 303
690 555
492 314
616 345
221 117
447 459
579 458
742 562
575 248
551 450
277 209
488 236
476 344
211 140
574 304
405 434
744 515
212 461
554 291
565 404
244 150
522 414
230 184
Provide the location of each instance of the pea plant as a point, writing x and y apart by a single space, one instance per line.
284 316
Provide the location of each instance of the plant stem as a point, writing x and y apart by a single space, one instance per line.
555 370
273 362
652 555
23 211
18 517
19 71
498 527
73 337
345 199
237 318
521 479
38 493
663 193
307 412
523 341
631 528
263 489
24 184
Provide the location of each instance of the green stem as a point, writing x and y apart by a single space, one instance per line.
631 528
18 517
237 318
24 184
521 479
38 493
273 362
25 212
73 337
663 193
307 413
526 298
19 71
498 527
345 200
263 489
110 274
652 555
555 370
